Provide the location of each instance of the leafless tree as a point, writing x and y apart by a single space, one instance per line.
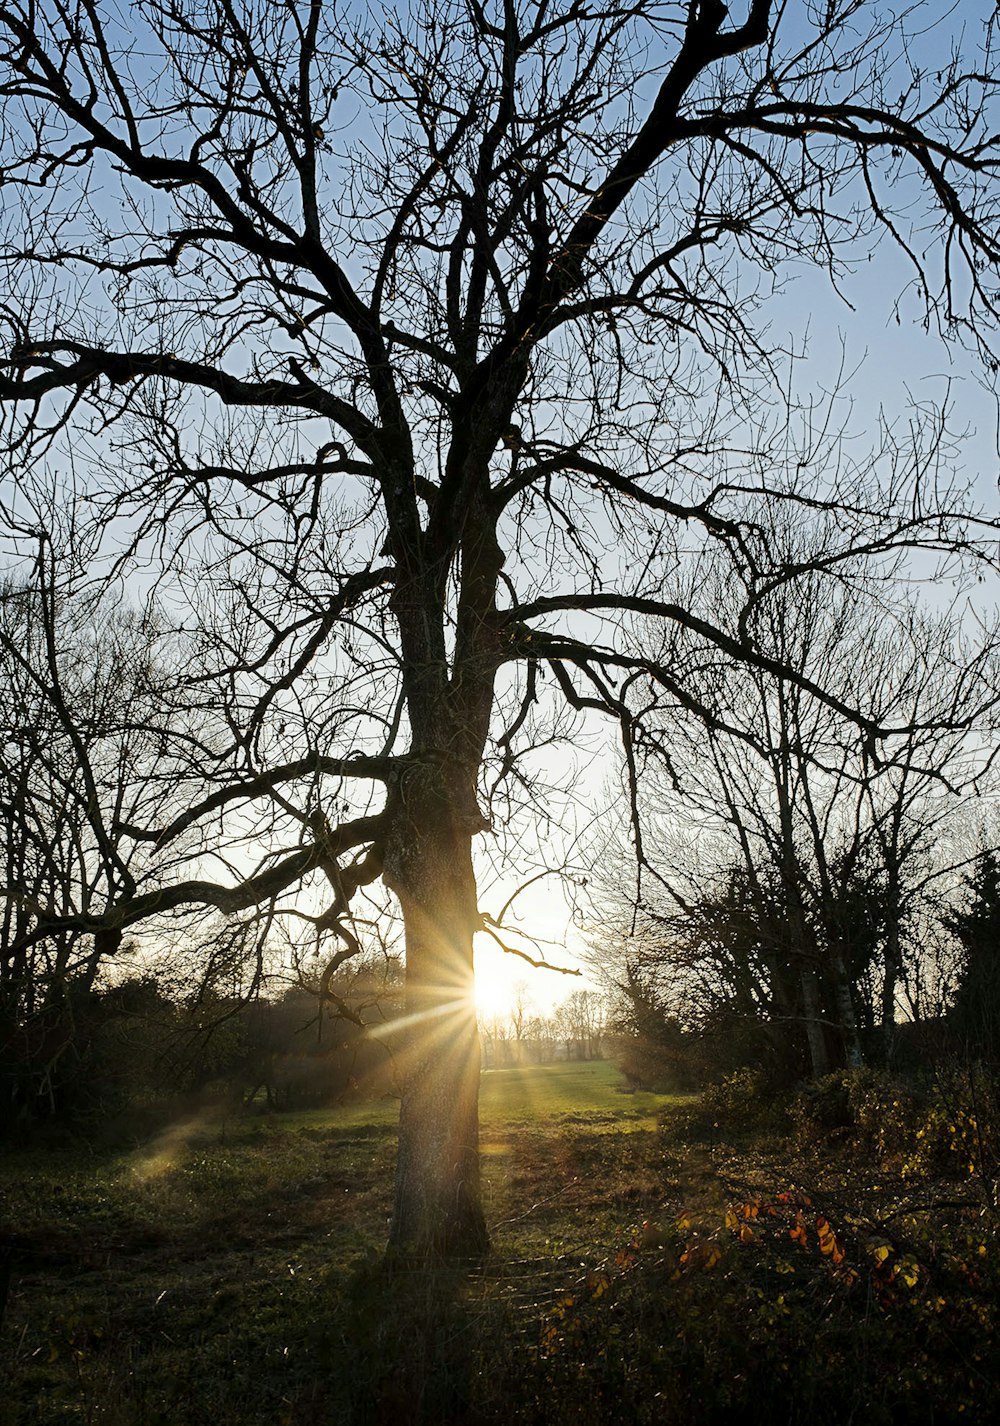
415 353
580 1021
519 1017
77 758
794 866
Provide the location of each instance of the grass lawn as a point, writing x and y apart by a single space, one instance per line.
230 1272
548 1094
592 1092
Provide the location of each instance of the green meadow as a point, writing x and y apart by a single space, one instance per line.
655 1259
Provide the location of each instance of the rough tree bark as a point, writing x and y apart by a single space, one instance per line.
437 1205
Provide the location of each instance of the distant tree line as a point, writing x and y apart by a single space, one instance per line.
133 1052
576 1029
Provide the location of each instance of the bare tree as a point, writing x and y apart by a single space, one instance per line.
519 1017
793 865
580 1021
77 757
415 353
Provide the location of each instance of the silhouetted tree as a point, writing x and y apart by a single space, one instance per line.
974 1019
76 758
788 922
414 352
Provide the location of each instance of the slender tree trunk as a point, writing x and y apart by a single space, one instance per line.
812 1015
777 995
437 1209
846 1018
893 966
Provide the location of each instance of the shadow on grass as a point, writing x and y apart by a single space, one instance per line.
408 1341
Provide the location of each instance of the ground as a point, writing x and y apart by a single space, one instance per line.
654 1260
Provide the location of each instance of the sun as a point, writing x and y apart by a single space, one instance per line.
539 982
497 975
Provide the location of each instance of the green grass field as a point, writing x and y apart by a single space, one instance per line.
547 1093
230 1272
555 1093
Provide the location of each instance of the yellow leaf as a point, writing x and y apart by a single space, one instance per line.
703 1255
909 1272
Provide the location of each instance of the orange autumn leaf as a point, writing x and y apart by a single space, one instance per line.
703 1255
828 1243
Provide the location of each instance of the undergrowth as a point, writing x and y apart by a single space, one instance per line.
826 1257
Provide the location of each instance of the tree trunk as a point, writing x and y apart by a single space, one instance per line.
847 1021
893 967
813 1017
437 1209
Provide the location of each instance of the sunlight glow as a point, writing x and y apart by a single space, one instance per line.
497 975
502 978
169 1146
406 1022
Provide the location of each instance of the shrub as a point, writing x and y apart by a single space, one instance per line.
943 1124
744 1101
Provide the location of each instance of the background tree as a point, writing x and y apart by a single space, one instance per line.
786 925
77 757
542 1038
580 1021
415 355
974 1019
